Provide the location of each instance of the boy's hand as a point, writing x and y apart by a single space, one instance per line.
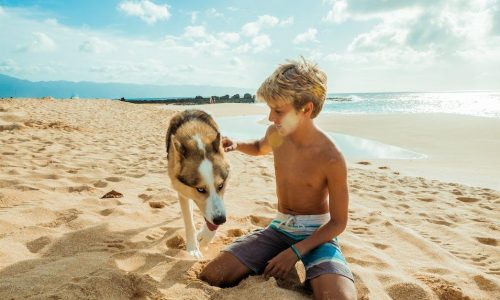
281 264
228 144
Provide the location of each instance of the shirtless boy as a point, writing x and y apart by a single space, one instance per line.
311 185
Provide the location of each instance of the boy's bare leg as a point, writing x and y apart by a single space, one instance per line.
224 270
332 286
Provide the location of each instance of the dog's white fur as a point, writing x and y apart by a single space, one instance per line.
198 172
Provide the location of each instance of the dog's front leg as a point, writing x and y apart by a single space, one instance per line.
205 236
187 213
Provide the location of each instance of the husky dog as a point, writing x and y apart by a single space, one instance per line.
198 171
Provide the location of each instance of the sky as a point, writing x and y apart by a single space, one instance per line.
362 45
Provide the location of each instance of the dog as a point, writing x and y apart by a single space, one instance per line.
198 171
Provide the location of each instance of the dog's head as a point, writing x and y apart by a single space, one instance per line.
201 173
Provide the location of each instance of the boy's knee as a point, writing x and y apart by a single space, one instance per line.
341 294
335 287
211 274
224 271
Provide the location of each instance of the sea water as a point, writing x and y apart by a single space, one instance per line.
481 104
253 127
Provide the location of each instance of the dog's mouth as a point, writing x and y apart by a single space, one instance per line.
211 226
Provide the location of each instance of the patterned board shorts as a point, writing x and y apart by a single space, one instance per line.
257 248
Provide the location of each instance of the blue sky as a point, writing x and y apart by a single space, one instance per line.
363 45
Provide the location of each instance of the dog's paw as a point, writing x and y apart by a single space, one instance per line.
195 253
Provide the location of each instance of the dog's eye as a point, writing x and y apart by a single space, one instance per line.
220 186
201 190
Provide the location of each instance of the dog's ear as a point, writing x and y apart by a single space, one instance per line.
179 148
216 143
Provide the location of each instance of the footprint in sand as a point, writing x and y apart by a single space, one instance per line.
427 199
487 241
259 221
145 197
439 221
176 242
380 246
38 244
442 288
135 175
360 230
100 184
467 199
365 163
401 290
79 189
235 232
106 212
485 284
156 204
494 271
63 217
114 179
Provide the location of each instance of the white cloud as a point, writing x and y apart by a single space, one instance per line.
418 31
243 48
338 12
41 43
261 42
254 28
9 66
231 8
1 11
308 36
96 45
229 37
148 11
195 32
286 22
212 12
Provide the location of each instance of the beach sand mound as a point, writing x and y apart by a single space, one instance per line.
408 238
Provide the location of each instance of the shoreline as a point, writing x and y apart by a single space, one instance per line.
459 148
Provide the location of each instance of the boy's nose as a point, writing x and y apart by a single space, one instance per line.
271 118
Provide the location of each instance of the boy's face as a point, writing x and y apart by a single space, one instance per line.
285 118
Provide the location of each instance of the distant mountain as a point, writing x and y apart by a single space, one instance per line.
14 87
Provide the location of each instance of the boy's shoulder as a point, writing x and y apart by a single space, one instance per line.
329 152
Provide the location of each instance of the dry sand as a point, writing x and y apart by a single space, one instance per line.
408 237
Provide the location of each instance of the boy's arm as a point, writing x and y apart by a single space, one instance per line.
257 147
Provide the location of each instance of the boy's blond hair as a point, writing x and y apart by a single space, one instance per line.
296 82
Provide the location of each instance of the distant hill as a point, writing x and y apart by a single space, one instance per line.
14 87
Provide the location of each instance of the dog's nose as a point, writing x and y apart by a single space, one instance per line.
219 220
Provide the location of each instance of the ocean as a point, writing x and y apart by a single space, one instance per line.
251 127
482 104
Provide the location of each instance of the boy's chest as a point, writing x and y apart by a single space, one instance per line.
298 167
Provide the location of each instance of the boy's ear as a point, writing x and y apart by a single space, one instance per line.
308 108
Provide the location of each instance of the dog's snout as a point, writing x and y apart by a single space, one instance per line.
219 220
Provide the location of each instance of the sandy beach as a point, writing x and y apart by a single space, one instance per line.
419 229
